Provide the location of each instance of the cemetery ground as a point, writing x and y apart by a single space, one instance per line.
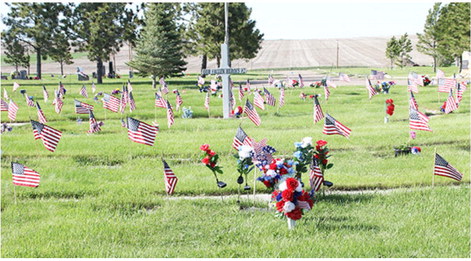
101 195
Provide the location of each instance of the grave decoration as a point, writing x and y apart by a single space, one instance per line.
210 159
302 156
244 164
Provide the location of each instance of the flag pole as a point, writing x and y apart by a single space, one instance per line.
254 187
433 172
14 192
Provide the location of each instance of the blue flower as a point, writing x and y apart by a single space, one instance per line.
298 154
297 144
291 171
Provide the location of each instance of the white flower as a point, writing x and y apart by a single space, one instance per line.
288 207
307 141
282 186
271 173
245 152
299 188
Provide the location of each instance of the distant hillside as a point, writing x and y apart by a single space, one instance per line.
362 51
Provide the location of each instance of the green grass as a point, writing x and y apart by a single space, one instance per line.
95 189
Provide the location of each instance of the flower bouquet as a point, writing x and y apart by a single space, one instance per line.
210 159
187 113
244 164
237 112
294 83
302 156
291 200
321 154
389 109
316 84
278 169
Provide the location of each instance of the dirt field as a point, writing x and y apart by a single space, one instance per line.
367 51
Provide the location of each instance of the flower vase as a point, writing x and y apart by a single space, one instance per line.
291 223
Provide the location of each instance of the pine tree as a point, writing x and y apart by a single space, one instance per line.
392 50
15 53
159 51
405 47
428 41
60 51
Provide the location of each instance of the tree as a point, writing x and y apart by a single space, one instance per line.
98 30
34 24
60 51
15 53
159 51
392 50
405 47
453 25
428 41
209 31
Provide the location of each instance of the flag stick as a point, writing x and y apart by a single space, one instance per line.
254 187
155 113
433 172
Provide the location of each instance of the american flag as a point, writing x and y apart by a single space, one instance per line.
129 86
4 105
170 179
258 100
29 100
162 81
330 83
303 96
459 92
416 122
326 92
412 86
206 101
332 126
124 99
110 102
412 102
241 92
141 132
450 103
93 87
241 138
94 125
41 117
344 77
444 169
318 114
132 103
82 108
463 86
12 110
247 85
301 82
252 113
45 94
415 78
170 119
58 102
445 84
15 86
24 176
5 94
270 79
371 91
61 89
48 135
160 101
178 100
377 75
83 91
440 74
281 102
316 178
200 80
269 98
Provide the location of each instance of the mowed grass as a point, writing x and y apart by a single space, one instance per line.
102 195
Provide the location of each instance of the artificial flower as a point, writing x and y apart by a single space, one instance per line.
204 147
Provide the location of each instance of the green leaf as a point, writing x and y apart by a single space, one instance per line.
330 165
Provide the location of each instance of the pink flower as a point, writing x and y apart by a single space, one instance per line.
321 142
204 147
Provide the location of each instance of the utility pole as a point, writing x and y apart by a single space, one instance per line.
337 54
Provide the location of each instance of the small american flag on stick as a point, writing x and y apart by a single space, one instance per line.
132 103
141 132
258 100
450 103
4 105
110 102
206 101
15 86
281 102
412 102
332 127
94 125
247 85
24 176
58 103
170 179
252 113
82 108
316 178
344 77
445 84
416 79
269 98
301 82
417 122
178 100
318 114
241 138
5 94
326 92
48 135
440 74
42 118
371 91
270 79
93 87
45 94
170 119
29 100
444 169
160 101
412 86
124 99
459 92
12 110
241 92
83 91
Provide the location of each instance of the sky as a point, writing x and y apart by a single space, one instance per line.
331 19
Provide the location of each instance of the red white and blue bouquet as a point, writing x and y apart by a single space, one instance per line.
210 159
303 155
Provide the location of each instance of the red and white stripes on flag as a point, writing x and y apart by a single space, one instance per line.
270 79
12 110
412 102
15 86
444 169
178 100
450 103
318 114
93 87
170 118
206 101
440 74
123 101
83 91
129 86
249 109
170 179
415 78
82 108
160 101
110 102
269 98
459 92
241 138
344 77
29 101
281 101
417 121
3 105
61 89
41 117
45 94
132 103
371 91
301 82
412 86
241 92
316 178
24 176
326 92
141 132
94 125
164 88
58 103
332 127
258 100
48 135
445 84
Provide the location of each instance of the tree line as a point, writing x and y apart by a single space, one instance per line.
445 37
162 34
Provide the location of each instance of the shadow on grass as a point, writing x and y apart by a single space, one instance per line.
345 199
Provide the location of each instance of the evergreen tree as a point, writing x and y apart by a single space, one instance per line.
60 51
405 47
428 41
15 53
392 50
159 51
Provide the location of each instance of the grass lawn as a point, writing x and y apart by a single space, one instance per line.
102 195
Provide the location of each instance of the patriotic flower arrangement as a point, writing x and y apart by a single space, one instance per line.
276 171
291 200
210 159
316 84
187 113
426 80
244 164
303 155
237 112
384 86
294 83
390 107
415 150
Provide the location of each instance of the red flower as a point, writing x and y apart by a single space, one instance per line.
280 205
211 153
316 156
324 162
292 183
390 109
272 166
212 164
204 147
205 160
283 171
267 183
295 214
321 142
287 195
